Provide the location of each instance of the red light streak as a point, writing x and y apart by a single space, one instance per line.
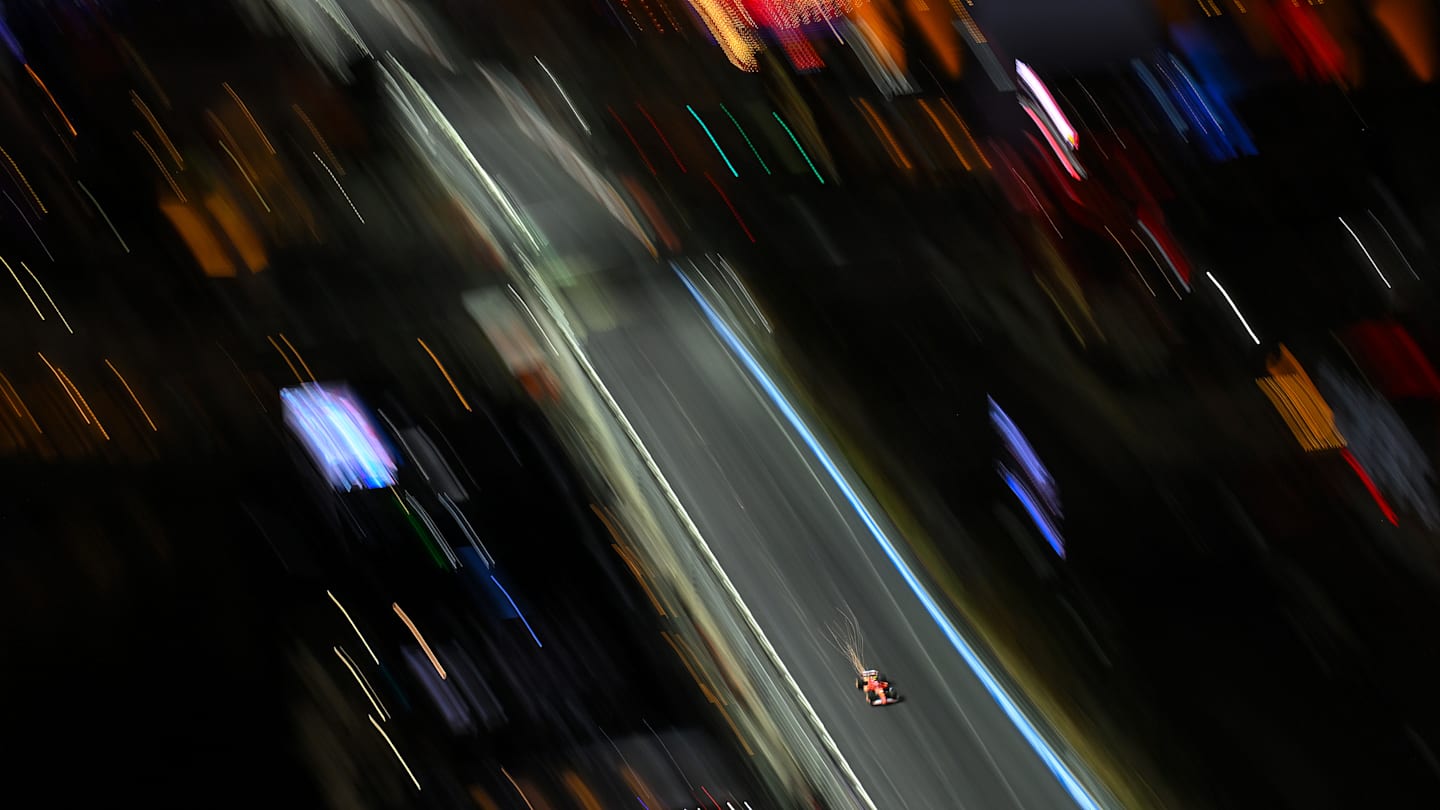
1370 485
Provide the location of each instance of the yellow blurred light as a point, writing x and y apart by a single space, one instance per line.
732 28
1299 403
581 792
200 239
242 236
1410 25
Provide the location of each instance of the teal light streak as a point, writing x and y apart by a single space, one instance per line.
747 140
796 141
711 136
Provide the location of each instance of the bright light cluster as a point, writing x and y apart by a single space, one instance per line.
795 13
344 443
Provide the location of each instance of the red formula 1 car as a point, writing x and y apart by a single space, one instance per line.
877 688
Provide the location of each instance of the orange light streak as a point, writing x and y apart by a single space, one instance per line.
441 366
41 83
131 392
435 662
249 117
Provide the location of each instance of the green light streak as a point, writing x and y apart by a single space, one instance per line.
747 140
796 141
711 136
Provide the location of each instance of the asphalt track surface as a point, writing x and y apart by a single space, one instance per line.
802 556
796 547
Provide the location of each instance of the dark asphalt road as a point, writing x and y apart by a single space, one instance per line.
801 556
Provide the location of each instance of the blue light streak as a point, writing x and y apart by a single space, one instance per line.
517 611
1019 446
1047 754
1042 520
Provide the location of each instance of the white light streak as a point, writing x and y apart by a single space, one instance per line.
1047 101
564 95
104 215
342 188
364 686
346 614
1233 308
47 297
403 763
1366 251
21 284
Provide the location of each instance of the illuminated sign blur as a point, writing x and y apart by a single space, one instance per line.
342 440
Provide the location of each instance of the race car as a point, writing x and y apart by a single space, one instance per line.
877 688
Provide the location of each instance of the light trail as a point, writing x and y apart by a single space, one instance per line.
286 358
354 627
1366 251
1046 752
244 109
133 397
24 180
663 139
41 84
441 366
748 142
516 785
245 174
320 139
104 215
1234 308
66 388
516 607
803 154
174 186
9 389
1394 244
391 743
296 352
364 687
36 279
21 284
343 192
564 95
33 232
713 142
435 662
84 402
159 130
